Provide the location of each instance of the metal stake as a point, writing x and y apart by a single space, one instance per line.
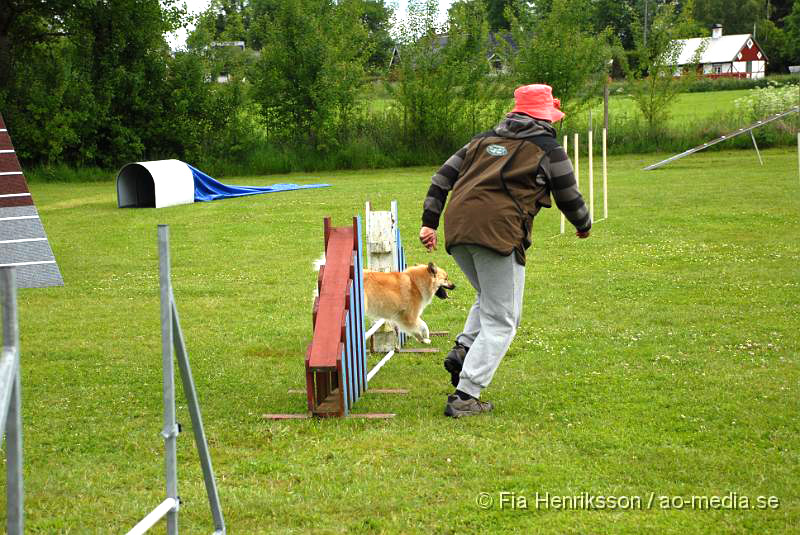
15 495
756 146
170 432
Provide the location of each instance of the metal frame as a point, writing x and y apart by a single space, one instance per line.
11 404
720 139
172 340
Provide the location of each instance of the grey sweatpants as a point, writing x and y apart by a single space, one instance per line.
492 322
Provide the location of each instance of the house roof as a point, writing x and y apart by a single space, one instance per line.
720 50
440 41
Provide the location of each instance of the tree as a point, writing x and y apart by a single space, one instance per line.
735 17
616 16
652 76
560 48
495 13
311 67
792 28
86 78
376 18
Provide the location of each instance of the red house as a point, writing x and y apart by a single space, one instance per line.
736 56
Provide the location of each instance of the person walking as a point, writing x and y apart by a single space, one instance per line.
497 183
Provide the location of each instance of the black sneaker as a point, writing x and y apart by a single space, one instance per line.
454 361
457 407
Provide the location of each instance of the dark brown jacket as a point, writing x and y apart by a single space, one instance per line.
496 196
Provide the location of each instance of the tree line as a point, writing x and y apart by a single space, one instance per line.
280 85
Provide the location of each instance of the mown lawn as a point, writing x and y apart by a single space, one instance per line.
687 107
656 361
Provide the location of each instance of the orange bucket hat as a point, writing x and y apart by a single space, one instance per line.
537 101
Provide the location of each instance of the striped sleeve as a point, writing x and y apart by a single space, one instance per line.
559 171
441 183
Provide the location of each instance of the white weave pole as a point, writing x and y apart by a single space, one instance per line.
563 219
605 176
798 154
577 164
591 178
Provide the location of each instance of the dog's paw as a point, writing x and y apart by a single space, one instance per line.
426 340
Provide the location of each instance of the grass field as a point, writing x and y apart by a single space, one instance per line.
657 360
686 107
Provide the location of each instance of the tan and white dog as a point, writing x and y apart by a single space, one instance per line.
401 297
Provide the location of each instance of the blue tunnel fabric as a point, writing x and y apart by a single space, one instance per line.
208 189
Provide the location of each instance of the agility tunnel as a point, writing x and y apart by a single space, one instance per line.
163 183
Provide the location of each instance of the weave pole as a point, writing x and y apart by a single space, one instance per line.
605 177
563 218
577 161
591 177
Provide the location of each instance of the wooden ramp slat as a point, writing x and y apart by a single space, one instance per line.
330 311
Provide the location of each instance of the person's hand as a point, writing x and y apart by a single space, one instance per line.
584 234
427 236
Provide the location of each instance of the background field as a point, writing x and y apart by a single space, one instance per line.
657 358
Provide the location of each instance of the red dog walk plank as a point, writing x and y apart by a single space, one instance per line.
326 346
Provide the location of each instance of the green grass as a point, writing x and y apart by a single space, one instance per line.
687 107
659 357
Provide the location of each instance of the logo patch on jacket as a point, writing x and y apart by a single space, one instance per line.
496 150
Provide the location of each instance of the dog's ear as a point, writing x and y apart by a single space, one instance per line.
432 268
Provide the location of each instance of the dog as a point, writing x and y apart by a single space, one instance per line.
401 297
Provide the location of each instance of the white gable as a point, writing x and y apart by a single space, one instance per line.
720 50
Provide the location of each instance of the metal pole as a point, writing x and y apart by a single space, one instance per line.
170 432
197 421
15 495
756 146
10 321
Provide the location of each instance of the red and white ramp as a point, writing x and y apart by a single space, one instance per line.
23 241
